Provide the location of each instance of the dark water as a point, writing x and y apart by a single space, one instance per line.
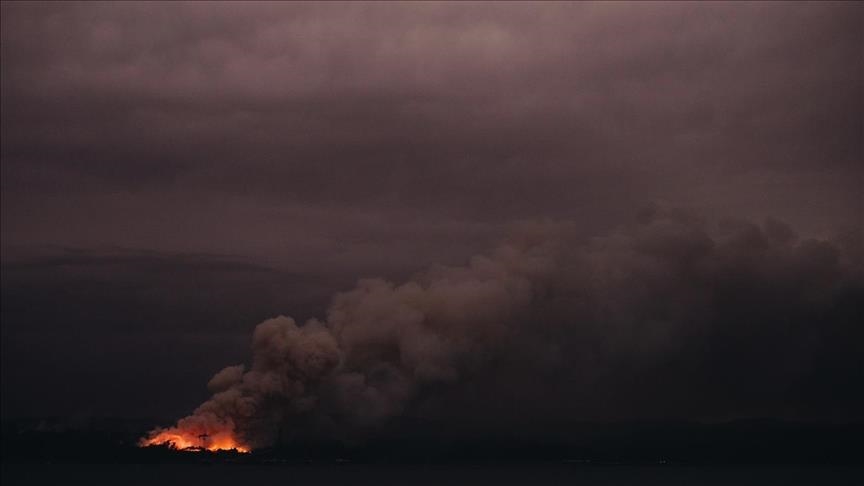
254 475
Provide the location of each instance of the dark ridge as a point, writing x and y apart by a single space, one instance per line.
741 442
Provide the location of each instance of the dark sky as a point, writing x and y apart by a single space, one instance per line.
173 174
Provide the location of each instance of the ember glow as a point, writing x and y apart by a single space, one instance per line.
188 440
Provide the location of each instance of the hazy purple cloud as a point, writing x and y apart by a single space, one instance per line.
315 143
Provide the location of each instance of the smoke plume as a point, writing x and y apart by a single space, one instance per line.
670 316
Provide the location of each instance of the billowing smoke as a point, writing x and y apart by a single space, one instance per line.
670 316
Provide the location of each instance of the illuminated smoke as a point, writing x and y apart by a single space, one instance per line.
614 319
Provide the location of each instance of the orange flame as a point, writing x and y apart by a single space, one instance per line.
179 439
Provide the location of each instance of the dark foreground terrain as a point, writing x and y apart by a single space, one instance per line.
763 452
377 474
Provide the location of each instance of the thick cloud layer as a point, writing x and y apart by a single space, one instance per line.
671 317
173 173
190 118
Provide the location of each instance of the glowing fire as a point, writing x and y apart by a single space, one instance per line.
176 438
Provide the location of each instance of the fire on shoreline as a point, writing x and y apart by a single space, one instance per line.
189 441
